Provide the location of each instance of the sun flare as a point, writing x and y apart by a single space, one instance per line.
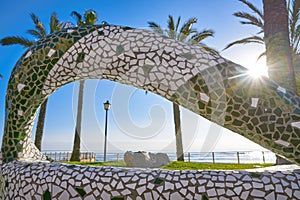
258 71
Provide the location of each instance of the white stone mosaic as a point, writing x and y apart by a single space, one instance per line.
202 82
42 180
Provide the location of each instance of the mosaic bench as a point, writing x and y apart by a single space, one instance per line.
205 83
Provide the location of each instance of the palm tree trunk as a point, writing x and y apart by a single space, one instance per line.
178 134
278 51
40 125
76 146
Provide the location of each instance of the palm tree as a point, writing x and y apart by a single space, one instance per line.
38 33
191 36
287 23
278 49
90 17
294 27
294 32
257 19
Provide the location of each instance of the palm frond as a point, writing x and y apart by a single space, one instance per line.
177 24
188 24
54 23
253 8
38 24
78 18
261 55
16 40
155 27
185 30
209 49
252 39
90 17
63 25
35 33
171 24
199 36
171 27
260 32
193 31
294 19
250 19
294 39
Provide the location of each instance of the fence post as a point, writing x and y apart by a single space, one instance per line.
50 155
238 157
117 157
213 157
263 155
189 156
67 156
55 156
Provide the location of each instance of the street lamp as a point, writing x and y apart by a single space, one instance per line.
106 108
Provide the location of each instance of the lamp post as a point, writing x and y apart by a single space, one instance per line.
106 108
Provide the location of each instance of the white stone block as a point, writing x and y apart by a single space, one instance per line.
20 86
28 54
258 193
283 143
51 52
254 102
211 192
281 89
141 190
296 124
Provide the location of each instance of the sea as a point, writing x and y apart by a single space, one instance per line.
210 157
204 157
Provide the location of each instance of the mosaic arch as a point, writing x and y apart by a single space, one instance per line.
206 84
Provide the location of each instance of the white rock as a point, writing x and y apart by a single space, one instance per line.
238 190
212 192
145 159
257 193
270 196
147 196
257 185
140 190
278 188
245 195
176 195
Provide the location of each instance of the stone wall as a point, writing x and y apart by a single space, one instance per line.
42 180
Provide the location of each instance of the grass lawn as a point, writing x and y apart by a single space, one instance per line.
175 165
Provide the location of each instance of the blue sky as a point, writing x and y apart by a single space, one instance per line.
136 121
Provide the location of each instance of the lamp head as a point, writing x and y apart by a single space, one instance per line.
106 105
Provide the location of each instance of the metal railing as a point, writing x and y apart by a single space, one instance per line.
205 157
66 156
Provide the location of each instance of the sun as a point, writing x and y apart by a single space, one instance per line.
258 71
